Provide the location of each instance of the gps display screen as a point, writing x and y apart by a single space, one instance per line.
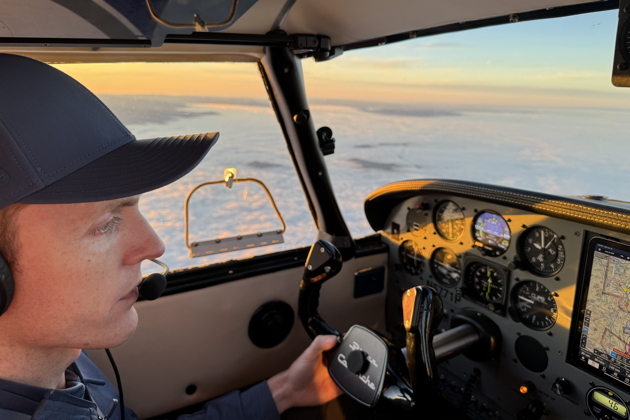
601 337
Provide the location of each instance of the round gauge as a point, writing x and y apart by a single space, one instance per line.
449 221
492 234
416 221
541 251
410 257
535 305
485 284
445 267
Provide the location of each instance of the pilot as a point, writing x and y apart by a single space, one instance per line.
72 239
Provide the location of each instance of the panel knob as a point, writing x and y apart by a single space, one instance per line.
562 386
357 362
534 411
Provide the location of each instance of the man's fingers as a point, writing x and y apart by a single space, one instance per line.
325 342
320 345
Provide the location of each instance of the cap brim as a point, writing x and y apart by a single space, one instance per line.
135 168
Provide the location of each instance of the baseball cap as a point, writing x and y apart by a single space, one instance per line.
60 144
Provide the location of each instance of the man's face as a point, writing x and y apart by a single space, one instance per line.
78 269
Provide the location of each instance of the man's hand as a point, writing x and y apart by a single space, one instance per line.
307 381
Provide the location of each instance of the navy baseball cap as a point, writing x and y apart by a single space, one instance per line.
60 144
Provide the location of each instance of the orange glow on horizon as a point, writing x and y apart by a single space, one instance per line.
173 79
351 80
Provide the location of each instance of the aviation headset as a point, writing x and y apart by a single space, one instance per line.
6 285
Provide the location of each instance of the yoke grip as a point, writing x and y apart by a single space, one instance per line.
323 262
422 313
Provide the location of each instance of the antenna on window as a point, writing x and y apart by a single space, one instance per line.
198 24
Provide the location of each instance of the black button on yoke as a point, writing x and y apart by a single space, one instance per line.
357 362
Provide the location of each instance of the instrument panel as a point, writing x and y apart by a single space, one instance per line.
521 269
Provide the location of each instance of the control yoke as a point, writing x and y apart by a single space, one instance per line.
368 367
422 313
323 262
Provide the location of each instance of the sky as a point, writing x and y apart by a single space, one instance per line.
557 62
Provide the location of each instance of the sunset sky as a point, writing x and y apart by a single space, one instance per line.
559 62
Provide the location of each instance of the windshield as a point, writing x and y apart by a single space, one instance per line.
527 105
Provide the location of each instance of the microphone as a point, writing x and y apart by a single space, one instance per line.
154 284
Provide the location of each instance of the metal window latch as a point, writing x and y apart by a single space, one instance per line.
228 175
198 24
238 242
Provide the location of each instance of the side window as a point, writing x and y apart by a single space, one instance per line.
158 100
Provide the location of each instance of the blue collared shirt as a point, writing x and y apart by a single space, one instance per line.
87 391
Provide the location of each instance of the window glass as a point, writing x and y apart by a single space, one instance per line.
527 105
160 100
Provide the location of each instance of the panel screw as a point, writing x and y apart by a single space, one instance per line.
576 233
549 333
556 278
622 66
286 70
626 9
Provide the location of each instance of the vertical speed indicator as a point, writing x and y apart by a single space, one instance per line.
535 305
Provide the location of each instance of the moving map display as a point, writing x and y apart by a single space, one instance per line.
604 339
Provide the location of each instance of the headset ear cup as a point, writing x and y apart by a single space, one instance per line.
7 286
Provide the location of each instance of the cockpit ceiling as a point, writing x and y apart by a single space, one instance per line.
27 25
